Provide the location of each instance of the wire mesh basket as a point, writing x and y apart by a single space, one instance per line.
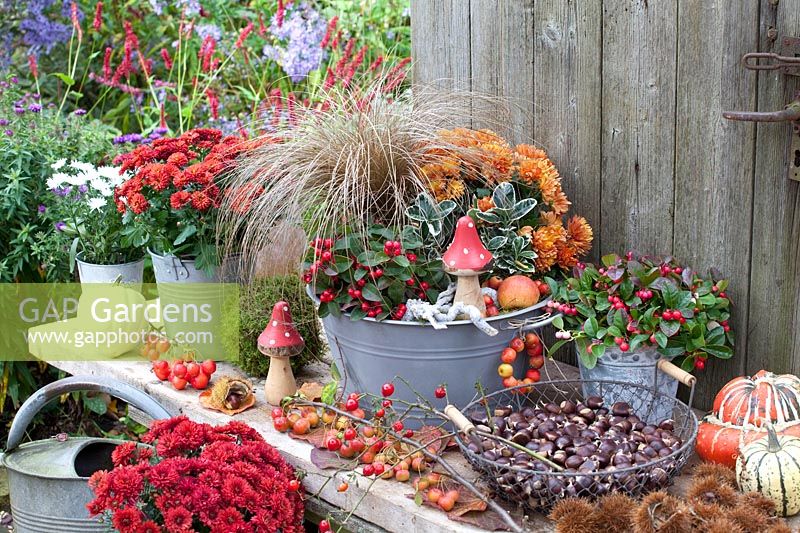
610 460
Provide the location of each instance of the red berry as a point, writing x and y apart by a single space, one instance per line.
326 256
380 413
723 295
397 426
699 364
349 434
410 282
351 404
333 444
425 285
411 257
652 339
440 392
324 526
624 347
294 485
618 340
408 434
387 389
386 403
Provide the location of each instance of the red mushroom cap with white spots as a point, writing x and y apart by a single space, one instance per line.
466 252
280 338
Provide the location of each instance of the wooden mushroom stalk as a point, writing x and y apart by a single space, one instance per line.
467 258
280 341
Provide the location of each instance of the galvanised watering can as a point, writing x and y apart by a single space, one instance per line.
47 479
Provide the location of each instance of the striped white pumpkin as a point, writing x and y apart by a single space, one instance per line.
771 466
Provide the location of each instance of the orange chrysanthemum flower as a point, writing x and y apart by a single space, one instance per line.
530 151
578 242
485 203
545 242
447 188
498 159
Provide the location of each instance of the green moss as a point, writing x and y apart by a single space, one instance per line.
255 308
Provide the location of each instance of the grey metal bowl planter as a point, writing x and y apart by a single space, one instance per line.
370 353
131 272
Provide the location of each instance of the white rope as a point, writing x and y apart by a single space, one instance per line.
443 311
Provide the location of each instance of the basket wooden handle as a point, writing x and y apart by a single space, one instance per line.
459 420
675 372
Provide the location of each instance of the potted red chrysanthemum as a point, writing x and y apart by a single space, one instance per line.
196 477
170 203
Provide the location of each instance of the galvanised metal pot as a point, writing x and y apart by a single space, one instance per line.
128 273
638 367
370 353
48 479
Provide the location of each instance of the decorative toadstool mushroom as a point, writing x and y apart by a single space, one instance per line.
466 258
280 341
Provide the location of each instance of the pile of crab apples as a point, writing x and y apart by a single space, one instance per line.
513 292
532 345
181 373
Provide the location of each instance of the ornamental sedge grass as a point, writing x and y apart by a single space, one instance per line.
349 163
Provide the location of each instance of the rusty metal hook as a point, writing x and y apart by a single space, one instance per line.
790 113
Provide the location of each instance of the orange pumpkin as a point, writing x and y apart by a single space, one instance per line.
742 407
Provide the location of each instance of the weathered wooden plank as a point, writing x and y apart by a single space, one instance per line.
440 43
714 160
773 341
638 125
567 96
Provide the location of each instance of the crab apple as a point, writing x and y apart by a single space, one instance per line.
532 340
347 451
508 356
434 494
380 413
440 392
533 374
536 361
178 383
517 344
505 370
446 503
351 404
343 486
494 282
162 373
492 310
357 445
333 444
378 468
301 426
281 424
509 382
192 370
200 381
209 366
397 426
402 475
350 434
368 470
367 458
179 370
387 389
421 484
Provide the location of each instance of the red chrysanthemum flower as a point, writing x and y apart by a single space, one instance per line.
178 520
149 527
127 520
138 203
178 159
201 201
124 454
179 199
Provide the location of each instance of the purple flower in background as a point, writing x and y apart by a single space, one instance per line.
3 121
14 80
19 110
83 189
34 108
9 133
38 31
303 30
79 112
127 138
42 208
205 30
60 226
161 131
190 7
62 191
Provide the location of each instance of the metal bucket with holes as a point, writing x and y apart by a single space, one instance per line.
48 479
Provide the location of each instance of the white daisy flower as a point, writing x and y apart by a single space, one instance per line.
57 179
97 203
58 164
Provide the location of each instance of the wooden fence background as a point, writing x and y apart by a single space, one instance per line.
626 97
